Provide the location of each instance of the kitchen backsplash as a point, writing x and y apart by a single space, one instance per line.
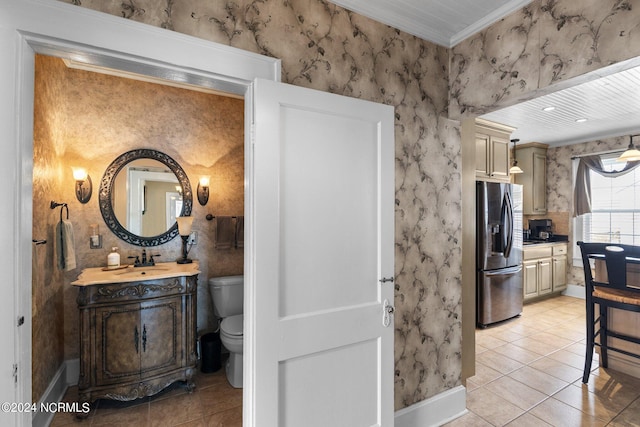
560 221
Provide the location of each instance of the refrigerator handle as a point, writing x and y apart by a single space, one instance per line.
508 224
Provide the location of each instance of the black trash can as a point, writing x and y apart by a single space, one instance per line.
211 348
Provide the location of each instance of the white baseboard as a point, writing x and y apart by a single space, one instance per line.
625 364
435 411
73 371
574 291
65 376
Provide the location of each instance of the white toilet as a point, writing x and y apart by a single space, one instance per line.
227 293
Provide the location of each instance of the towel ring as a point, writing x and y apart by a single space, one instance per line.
54 205
210 217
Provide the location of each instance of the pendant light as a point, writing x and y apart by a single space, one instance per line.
632 154
514 167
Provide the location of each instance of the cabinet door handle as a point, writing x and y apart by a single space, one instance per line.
136 337
144 338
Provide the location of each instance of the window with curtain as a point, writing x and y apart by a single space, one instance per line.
615 206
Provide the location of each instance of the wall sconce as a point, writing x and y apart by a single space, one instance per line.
203 190
184 229
83 185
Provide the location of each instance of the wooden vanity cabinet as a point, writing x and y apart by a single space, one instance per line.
136 338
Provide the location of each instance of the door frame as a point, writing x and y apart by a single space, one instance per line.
53 28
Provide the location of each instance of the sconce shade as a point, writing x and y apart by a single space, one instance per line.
632 154
203 190
515 169
184 225
84 186
184 229
79 174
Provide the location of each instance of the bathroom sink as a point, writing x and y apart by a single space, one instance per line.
164 270
142 271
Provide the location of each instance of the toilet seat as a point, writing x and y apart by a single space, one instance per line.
232 325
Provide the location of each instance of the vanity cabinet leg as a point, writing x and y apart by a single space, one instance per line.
82 401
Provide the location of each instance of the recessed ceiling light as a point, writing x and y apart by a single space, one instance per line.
582 120
550 108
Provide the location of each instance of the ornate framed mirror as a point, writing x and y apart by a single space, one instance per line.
141 193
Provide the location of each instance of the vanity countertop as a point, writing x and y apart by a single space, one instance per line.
162 270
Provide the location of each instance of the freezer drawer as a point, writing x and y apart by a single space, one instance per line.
499 295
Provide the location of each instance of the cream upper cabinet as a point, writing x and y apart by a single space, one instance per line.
532 158
492 151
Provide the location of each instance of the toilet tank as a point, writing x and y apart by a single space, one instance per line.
227 293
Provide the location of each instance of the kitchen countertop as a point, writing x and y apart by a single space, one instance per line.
527 243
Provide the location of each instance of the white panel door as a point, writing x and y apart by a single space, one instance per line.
323 203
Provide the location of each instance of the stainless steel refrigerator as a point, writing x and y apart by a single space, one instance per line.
499 293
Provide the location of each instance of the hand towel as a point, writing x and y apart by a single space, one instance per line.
225 232
64 246
240 232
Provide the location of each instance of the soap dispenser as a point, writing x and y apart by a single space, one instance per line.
113 259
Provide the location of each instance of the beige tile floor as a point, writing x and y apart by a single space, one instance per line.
529 373
213 403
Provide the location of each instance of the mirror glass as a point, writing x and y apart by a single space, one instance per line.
141 194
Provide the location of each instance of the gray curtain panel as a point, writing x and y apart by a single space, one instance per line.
582 189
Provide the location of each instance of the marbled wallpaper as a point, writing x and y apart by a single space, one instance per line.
84 119
47 304
543 44
325 47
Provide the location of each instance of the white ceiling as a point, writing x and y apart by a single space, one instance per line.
610 104
444 22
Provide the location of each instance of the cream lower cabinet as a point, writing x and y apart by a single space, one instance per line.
544 269
559 267
537 277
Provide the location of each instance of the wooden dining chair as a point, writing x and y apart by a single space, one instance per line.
615 292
